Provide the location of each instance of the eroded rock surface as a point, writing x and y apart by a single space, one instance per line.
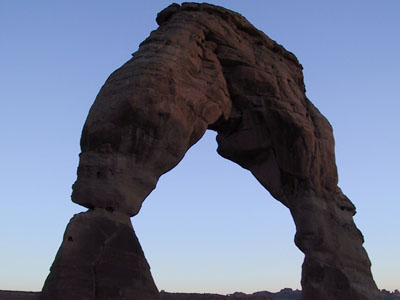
206 67
100 258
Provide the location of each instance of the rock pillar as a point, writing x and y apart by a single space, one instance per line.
100 258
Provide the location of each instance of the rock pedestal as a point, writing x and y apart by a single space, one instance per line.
100 258
205 67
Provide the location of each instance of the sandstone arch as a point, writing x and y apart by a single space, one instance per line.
205 67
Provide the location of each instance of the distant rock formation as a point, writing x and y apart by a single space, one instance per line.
18 295
197 296
205 67
387 295
284 294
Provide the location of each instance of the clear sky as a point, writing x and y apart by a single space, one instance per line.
209 226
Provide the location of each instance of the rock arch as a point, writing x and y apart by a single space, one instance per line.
205 67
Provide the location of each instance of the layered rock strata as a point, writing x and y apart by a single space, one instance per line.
205 67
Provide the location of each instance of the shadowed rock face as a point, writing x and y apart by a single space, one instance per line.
205 67
100 258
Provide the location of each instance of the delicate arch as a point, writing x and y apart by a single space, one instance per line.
206 67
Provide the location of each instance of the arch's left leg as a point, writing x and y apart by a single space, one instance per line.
100 258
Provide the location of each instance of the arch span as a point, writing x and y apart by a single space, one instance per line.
205 67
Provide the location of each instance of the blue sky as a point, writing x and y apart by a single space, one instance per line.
209 226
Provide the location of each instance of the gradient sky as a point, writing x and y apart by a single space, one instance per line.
209 226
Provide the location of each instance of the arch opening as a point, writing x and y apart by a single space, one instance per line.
217 229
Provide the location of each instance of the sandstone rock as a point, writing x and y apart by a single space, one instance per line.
100 258
206 67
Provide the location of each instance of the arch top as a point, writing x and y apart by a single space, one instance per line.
207 67
204 67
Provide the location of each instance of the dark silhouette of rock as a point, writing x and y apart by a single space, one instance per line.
100 258
18 295
395 295
284 294
197 296
206 67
